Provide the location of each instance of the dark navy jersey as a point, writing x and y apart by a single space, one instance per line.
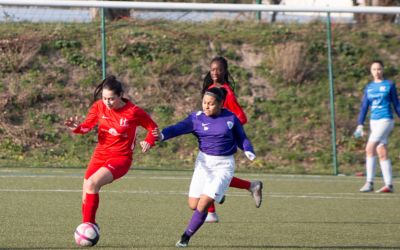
380 97
216 135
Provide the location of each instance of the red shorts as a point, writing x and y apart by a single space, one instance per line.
118 165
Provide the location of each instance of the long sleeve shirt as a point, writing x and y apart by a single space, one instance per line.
117 128
380 97
217 135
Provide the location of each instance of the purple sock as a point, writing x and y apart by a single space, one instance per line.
195 223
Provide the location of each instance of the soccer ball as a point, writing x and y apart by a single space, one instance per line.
87 234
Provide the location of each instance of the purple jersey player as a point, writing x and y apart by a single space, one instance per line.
219 134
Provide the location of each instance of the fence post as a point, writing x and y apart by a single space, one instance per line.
103 44
331 93
258 13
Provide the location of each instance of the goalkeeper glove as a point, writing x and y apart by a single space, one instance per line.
250 155
359 131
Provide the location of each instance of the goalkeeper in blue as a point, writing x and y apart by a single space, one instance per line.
219 134
380 96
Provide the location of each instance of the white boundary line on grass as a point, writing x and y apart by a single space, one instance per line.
268 195
264 177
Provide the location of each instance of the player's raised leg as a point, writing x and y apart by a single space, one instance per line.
255 188
92 187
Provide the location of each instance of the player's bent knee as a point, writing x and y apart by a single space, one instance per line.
192 202
192 205
92 186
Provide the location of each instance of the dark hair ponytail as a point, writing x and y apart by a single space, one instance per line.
218 93
110 83
207 82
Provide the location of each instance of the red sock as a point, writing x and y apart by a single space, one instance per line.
211 208
239 183
83 209
90 208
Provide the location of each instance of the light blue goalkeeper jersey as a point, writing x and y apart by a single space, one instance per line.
380 97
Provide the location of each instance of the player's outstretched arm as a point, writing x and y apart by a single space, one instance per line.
242 141
72 122
157 134
183 127
84 127
145 146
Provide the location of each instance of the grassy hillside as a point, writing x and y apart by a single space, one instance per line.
49 71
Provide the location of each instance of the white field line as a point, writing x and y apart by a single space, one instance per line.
134 174
266 178
339 196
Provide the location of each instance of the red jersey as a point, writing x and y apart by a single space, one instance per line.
232 104
117 128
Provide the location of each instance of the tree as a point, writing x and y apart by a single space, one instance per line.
373 18
111 14
274 2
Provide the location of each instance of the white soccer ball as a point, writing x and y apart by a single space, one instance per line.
87 234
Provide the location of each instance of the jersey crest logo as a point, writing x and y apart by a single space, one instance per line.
230 124
123 122
382 88
104 117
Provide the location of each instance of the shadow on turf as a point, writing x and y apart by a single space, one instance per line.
68 248
228 247
303 247
342 222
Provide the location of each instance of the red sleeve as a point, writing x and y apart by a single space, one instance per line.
146 122
232 105
90 121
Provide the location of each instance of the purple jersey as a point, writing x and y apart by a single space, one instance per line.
217 135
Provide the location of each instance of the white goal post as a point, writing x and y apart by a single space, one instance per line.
199 6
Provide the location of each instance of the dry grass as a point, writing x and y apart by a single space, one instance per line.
289 62
17 53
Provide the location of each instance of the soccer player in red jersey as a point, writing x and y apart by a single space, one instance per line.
219 76
117 119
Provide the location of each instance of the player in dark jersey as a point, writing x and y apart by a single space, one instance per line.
117 119
219 76
219 134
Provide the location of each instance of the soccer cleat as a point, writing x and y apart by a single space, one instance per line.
256 191
386 189
183 242
222 200
212 218
368 187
